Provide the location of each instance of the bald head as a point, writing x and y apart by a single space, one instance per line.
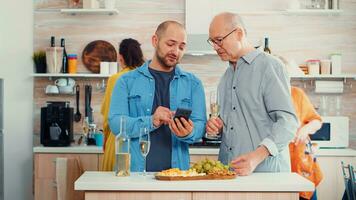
163 27
228 21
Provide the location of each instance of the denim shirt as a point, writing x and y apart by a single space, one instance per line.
133 97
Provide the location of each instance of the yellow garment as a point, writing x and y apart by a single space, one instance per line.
109 137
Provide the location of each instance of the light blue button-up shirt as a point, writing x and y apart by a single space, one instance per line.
133 97
256 107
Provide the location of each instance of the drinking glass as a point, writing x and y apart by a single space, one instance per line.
214 112
145 143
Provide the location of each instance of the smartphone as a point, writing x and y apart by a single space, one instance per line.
183 112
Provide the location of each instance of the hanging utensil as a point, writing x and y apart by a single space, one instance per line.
90 109
77 115
86 100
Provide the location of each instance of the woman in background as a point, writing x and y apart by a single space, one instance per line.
301 150
130 57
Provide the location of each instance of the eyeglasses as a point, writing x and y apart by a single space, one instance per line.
219 41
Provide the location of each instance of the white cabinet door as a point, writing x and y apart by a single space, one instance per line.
332 186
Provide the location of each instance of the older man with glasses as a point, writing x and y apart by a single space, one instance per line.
257 119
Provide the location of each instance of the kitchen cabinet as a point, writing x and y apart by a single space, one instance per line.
332 186
45 174
139 195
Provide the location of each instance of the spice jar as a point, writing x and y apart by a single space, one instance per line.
72 63
313 67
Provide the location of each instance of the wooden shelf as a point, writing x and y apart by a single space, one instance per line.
72 75
90 11
313 11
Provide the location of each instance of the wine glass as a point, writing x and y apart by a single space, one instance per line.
214 113
145 143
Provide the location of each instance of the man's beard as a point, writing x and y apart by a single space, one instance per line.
163 61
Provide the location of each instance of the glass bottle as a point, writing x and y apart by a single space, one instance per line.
64 58
266 49
122 151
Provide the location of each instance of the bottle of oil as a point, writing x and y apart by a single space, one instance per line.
122 151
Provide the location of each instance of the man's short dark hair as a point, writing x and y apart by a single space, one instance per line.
161 29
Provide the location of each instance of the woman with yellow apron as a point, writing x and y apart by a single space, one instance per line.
130 57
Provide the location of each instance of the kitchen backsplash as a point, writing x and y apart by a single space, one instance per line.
307 37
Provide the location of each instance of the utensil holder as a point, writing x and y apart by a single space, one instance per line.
54 57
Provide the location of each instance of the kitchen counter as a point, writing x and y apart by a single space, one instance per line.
192 150
99 185
70 149
107 181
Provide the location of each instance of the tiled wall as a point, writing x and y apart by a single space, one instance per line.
297 37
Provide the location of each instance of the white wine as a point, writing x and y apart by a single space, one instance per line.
144 147
122 164
214 109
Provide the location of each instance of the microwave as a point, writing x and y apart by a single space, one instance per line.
334 132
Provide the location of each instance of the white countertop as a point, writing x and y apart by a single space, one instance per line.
70 149
257 182
336 153
193 151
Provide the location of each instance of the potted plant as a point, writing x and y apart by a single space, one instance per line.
39 58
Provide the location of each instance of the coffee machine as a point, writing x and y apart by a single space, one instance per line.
56 124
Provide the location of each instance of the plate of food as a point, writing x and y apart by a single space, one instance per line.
203 170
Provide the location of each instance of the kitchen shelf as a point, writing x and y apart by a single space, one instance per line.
90 11
60 94
294 12
72 75
326 76
313 11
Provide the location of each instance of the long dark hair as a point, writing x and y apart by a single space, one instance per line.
130 49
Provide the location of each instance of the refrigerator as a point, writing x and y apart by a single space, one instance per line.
1 140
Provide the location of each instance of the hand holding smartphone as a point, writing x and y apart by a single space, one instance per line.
183 112
178 127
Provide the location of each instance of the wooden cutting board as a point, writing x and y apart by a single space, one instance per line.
191 178
96 52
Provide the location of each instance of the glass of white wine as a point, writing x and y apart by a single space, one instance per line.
214 112
145 143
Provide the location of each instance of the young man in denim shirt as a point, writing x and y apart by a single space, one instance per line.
148 97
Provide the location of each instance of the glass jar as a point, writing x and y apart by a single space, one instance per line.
313 67
72 63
